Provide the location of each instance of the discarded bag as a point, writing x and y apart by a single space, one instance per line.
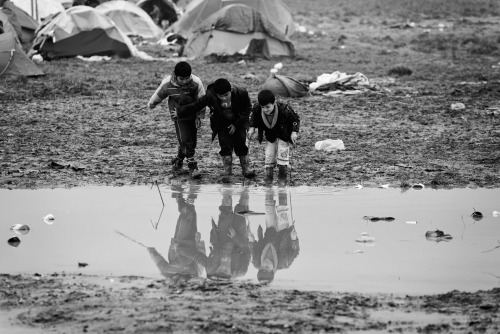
330 145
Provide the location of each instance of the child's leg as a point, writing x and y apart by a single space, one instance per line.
283 156
270 159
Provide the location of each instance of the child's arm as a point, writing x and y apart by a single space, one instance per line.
160 94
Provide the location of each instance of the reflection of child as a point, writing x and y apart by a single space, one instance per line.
278 246
186 255
230 251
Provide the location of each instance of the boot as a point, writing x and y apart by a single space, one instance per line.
176 164
269 175
193 169
282 171
227 161
245 167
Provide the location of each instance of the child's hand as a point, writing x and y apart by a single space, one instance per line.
151 105
232 129
293 137
250 133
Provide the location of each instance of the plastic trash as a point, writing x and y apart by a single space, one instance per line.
14 241
457 106
437 236
476 215
330 145
20 229
278 66
359 186
496 214
384 186
49 219
413 222
418 186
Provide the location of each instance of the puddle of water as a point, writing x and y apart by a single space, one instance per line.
327 222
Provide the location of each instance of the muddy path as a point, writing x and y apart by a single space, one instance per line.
71 303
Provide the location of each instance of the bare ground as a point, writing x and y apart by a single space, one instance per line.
66 129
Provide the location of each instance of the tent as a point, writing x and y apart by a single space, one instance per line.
131 19
238 29
13 60
81 31
24 24
198 10
39 9
160 10
285 86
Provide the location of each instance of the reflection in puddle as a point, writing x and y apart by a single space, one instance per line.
362 240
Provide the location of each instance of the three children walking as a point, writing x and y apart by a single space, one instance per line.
233 120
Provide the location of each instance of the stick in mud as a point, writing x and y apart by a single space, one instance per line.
129 238
130 113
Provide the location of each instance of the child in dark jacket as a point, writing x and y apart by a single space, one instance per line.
280 125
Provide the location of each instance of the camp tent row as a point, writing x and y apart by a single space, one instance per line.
13 60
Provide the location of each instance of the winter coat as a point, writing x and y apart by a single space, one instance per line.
179 95
240 106
288 122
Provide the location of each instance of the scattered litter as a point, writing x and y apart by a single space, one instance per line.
20 229
358 251
413 222
376 219
49 219
403 165
242 62
37 58
82 264
330 145
278 66
273 70
496 214
384 186
437 235
476 215
359 186
365 237
14 241
457 106
94 58
418 186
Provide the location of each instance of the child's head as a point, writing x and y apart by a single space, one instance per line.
222 86
266 97
265 276
182 70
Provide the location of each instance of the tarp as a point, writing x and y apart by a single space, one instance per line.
285 86
13 60
199 10
39 9
131 19
82 31
238 29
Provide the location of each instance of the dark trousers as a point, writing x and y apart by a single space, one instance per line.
186 136
236 141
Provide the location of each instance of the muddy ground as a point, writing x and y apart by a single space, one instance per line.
82 124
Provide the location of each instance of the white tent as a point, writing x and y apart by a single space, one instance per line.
39 9
131 19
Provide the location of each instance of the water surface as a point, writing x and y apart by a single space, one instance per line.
325 221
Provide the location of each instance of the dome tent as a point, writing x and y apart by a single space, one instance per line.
13 60
131 19
39 9
81 31
23 23
198 10
238 29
